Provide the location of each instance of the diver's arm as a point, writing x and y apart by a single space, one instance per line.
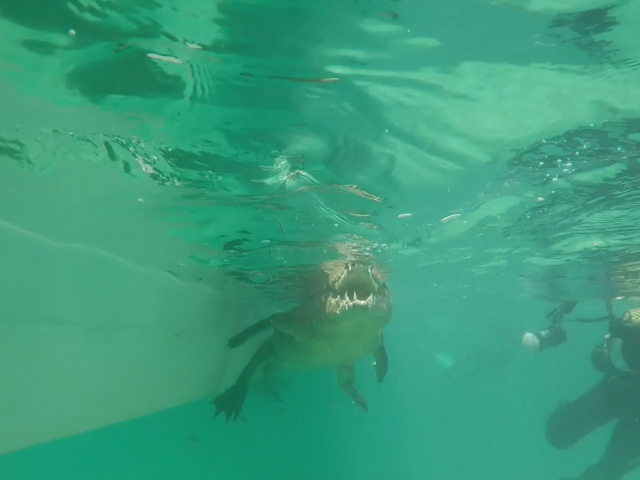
589 320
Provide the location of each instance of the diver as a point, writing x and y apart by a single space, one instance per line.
615 397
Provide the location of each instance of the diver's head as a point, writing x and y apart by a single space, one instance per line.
627 327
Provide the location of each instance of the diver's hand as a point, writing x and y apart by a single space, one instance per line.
565 308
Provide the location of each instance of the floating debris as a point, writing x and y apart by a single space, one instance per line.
164 58
450 217
121 47
405 215
372 226
359 214
387 15
305 80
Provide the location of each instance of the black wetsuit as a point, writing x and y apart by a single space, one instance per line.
616 397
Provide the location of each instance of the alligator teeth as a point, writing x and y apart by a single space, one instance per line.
346 296
355 297
373 280
370 299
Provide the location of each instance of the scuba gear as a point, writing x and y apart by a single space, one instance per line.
621 349
627 327
600 358
608 357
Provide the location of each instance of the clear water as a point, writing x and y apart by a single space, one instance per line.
168 169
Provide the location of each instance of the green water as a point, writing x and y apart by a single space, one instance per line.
169 170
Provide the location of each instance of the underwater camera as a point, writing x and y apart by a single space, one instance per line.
535 342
